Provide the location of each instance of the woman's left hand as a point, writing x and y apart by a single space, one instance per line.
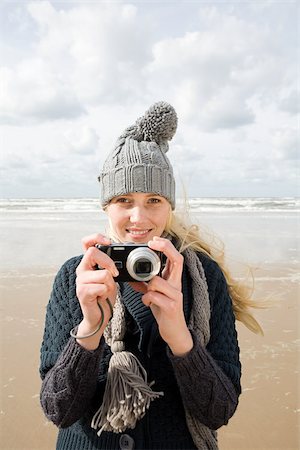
164 296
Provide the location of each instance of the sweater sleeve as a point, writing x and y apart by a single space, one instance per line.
206 391
59 317
69 372
70 385
209 378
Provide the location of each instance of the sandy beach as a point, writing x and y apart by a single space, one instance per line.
268 412
36 245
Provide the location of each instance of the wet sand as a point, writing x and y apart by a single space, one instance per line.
269 409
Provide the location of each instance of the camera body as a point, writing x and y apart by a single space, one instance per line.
135 262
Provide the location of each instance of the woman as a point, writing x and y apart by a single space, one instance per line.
142 365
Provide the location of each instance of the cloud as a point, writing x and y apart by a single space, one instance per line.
227 110
82 56
218 70
31 94
290 102
103 44
107 53
75 74
286 143
83 141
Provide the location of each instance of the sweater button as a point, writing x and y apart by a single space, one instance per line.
126 442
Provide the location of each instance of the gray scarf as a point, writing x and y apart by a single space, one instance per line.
128 393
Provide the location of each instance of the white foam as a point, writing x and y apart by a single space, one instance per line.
197 204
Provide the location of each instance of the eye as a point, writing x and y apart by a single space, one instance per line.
122 200
154 200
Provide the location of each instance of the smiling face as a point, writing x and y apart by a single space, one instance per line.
138 217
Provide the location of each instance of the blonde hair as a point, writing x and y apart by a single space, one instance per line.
189 236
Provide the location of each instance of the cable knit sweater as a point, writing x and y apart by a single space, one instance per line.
208 379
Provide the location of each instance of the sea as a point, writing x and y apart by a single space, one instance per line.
40 234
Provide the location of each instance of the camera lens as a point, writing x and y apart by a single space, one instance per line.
143 264
142 267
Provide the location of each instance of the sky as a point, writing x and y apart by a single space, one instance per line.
75 74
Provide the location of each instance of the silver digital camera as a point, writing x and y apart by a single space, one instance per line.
135 262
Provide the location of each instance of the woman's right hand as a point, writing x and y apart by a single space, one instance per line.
93 286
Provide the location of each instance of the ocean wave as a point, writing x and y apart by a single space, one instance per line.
245 204
50 205
196 204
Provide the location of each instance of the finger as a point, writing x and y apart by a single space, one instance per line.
158 284
158 300
139 286
96 277
90 292
175 266
95 257
93 239
88 278
166 270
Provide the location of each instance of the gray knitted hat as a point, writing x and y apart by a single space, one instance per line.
138 163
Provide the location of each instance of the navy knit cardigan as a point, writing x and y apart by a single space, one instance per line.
74 378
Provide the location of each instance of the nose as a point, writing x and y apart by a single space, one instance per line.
137 214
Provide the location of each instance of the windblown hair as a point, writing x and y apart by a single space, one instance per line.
189 236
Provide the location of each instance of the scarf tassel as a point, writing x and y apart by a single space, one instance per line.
127 395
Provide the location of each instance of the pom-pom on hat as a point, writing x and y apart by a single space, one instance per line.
138 163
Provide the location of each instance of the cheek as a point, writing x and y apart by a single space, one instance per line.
118 221
114 216
162 218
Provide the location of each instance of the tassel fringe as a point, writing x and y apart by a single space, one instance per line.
127 395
